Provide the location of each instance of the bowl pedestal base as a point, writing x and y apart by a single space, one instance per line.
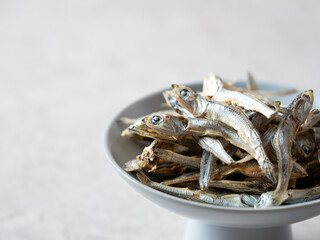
205 231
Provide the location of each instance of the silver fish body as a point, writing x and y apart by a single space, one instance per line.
229 115
213 88
207 168
294 116
227 200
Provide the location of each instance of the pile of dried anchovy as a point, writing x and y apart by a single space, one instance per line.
230 146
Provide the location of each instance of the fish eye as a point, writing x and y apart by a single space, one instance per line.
306 149
156 119
184 93
316 111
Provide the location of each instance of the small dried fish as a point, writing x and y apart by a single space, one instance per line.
295 115
227 200
230 115
176 191
172 126
141 128
215 147
262 95
214 128
207 168
177 126
242 128
213 88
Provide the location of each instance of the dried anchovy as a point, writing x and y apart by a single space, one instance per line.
269 154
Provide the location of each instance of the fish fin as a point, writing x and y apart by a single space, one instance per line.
251 84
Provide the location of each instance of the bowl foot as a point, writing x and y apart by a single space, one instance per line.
206 231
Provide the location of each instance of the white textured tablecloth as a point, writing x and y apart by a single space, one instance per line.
66 67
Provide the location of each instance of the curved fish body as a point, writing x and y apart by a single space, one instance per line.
214 128
215 147
176 191
176 126
312 119
294 116
213 88
304 145
207 167
262 95
227 200
230 115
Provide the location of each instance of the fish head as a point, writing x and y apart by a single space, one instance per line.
173 103
304 145
141 128
138 126
212 84
302 106
314 115
186 97
271 199
268 199
265 200
167 124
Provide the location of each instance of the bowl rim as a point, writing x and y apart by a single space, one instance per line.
126 176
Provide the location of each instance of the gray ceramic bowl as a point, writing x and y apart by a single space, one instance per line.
208 221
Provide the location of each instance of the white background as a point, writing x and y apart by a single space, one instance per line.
67 67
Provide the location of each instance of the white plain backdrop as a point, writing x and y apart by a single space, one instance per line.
67 67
